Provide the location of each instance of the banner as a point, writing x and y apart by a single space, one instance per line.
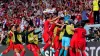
92 49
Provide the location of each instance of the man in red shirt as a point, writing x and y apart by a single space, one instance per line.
81 40
10 41
78 42
57 44
18 47
46 36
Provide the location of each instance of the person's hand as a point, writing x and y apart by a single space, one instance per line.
56 21
63 25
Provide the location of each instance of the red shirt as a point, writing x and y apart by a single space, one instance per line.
46 26
81 34
75 34
79 18
52 27
91 19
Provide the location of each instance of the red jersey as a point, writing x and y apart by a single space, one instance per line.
74 38
46 35
75 35
52 29
56 40
91 19
80 41
78 37
46 26
81 32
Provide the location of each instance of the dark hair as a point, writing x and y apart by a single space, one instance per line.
62 18
16 26
50 15
46 17
82 23
30 26
11 26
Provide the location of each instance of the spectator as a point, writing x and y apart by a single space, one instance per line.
94 33
26 12
90 17
84 14
96 11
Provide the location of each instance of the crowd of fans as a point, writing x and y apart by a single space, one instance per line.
94 34
34 13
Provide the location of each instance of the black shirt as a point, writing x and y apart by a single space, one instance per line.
16 37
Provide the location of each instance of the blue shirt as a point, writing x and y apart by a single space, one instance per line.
84 16
67 17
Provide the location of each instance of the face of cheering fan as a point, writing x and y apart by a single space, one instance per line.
13 28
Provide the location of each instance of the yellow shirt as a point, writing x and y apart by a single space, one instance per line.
95 5
69 29
30 37
33 38
12 38
19 38
61 34
55 31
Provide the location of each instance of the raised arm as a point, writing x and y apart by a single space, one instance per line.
54 19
